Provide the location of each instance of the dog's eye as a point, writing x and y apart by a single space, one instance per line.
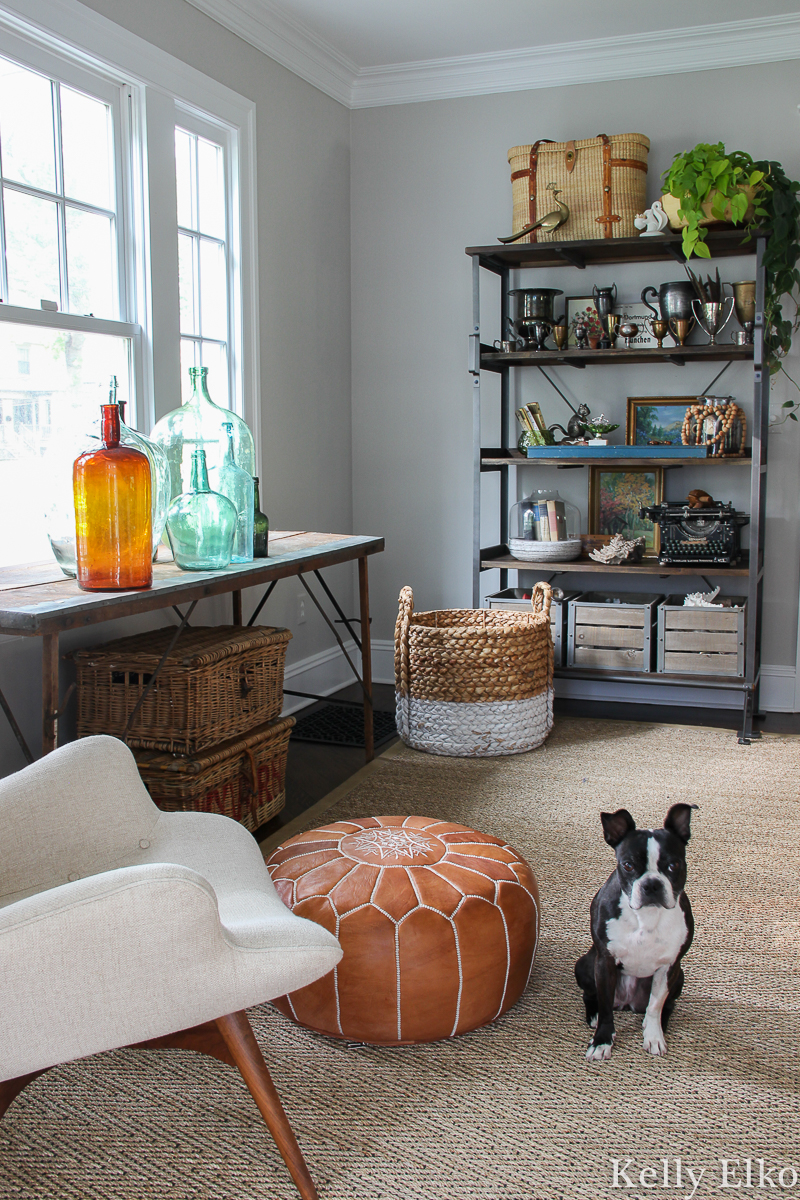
672 868
628 866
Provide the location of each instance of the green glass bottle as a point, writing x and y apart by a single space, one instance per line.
260 527
238 486
201 423
201 524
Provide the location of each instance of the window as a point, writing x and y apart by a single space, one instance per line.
92 250
203 259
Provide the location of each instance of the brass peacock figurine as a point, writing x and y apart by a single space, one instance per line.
549 223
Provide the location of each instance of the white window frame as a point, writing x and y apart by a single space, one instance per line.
84 41
215 131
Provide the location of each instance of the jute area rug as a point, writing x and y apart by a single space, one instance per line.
513 1111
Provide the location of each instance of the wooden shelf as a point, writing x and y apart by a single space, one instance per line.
721 243
710 681
515 458
506 562
491 360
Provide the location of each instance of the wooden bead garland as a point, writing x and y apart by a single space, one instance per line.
694 422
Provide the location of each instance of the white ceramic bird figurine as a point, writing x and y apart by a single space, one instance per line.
652 221
549 223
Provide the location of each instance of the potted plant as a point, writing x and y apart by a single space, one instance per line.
709 184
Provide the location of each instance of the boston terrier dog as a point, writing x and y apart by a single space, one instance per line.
641 928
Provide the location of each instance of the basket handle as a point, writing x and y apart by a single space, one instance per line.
541 599
405 612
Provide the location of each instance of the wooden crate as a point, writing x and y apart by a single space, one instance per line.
519 600
702 641
608 632
217 683
243 778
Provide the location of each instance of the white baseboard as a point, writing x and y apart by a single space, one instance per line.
323 674
778 686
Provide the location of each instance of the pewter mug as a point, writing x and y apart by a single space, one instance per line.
535 304
674 300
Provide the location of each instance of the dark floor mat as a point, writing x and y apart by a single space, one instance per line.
340 725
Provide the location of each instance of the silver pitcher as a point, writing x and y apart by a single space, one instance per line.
674 300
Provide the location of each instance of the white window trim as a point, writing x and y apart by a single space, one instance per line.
107 49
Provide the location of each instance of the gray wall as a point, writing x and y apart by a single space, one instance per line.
429 179
304 287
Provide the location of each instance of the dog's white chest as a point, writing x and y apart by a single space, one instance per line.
644 939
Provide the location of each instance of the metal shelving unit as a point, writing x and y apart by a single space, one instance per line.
503 261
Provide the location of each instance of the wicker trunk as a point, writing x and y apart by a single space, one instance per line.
471 682
215 684
243 778
602 180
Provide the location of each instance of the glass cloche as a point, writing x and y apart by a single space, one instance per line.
200 424
544 527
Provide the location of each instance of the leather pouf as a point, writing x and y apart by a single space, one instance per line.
438 925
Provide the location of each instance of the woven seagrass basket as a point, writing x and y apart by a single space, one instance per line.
243 778
216 683
602 180
473 682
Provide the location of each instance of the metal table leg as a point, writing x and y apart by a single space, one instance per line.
366 659
49 692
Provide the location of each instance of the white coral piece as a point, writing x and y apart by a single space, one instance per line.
619 550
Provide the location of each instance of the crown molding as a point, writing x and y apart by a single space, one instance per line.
631 56
289 42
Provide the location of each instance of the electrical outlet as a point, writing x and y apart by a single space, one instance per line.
301 608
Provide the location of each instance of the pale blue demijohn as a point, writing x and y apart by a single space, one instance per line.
201 524
239 487
200 423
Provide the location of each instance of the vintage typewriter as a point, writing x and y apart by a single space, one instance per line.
697 537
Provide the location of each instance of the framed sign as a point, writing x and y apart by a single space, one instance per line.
638 313
615 496
656 420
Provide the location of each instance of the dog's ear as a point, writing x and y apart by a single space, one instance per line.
617 826
677 820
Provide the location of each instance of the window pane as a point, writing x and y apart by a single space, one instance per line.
213 298
86 140
187 283
216 359
211 188
26 127
185 178
190 357
31 249
90 263
52 383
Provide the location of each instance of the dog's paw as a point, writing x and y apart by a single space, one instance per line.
599 1053
654 1042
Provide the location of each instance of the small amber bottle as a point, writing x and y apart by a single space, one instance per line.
113 514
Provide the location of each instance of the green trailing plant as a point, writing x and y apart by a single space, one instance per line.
709 173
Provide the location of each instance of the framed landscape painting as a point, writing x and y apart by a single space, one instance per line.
656 420
615 496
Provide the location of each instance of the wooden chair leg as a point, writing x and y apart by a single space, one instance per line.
11 1088
240 1040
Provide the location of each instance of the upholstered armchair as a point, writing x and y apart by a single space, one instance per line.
121 925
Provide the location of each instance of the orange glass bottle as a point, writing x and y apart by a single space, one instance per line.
113 513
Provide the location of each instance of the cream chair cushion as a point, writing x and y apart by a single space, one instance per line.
120 923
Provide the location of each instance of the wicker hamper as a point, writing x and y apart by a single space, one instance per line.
602 180
471 682
243 778
216 684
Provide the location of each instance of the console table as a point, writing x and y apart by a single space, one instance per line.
38 601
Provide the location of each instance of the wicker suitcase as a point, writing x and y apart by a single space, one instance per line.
243 778
473 682
602 180
217 683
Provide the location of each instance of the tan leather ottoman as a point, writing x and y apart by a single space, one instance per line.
438 924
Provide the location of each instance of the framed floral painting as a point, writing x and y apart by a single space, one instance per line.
615 496
582 306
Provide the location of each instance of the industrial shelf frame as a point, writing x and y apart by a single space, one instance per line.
503 261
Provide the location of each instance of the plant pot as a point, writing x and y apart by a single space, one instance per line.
671 204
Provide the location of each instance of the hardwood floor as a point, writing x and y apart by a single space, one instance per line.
314 770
